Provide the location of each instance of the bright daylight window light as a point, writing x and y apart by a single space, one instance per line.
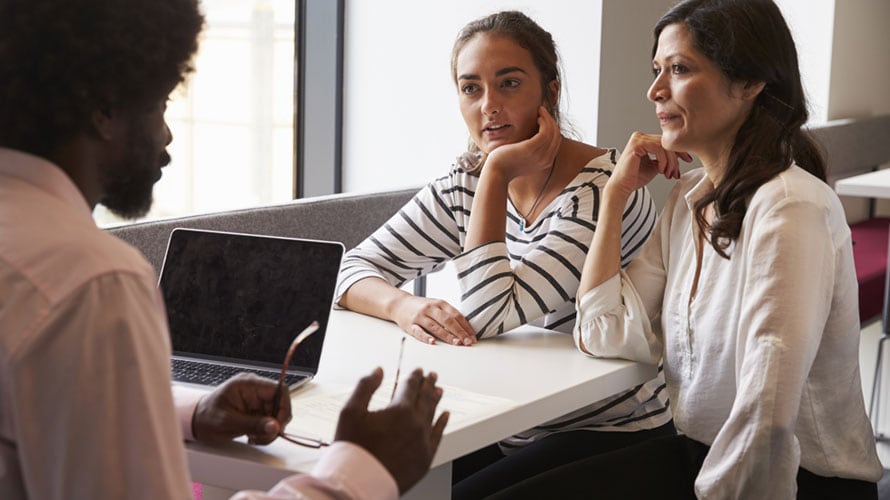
232 123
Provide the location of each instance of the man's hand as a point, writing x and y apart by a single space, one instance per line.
402 436
242 405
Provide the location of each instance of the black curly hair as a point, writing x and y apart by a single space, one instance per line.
61 60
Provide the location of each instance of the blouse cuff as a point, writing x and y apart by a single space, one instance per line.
599 300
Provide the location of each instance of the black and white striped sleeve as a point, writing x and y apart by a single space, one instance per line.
419 239
499 293
637 223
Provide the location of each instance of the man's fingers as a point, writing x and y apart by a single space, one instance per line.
266 432
284 408
438 430
429 397
253 390
408 390
361 396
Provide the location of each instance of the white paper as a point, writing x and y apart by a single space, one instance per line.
315 413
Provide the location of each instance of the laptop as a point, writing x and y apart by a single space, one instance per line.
236 301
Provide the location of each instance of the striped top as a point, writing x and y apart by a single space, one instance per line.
530 278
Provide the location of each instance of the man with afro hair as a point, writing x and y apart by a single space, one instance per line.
86 407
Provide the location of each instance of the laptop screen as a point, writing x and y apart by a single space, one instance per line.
243 298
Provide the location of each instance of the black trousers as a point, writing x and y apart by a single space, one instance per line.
487 471
663 468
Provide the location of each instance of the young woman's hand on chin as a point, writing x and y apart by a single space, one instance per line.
530 156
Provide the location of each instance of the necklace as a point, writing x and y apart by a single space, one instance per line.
523 218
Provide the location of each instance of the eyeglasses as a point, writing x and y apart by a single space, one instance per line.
282 386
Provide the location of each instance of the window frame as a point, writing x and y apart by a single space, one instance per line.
318 105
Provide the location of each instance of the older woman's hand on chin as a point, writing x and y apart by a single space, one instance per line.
642 159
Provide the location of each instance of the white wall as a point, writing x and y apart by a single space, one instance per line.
860 73
844 50
626 75
402 126
860 63
812 26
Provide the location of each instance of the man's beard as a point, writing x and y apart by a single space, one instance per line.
129 191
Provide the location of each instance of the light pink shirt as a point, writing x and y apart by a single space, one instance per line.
86 409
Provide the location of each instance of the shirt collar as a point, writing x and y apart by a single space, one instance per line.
43 175
703 187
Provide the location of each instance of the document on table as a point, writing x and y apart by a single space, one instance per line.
315 413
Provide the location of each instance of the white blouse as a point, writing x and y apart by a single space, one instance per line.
762 364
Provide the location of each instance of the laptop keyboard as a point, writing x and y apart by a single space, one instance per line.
196 372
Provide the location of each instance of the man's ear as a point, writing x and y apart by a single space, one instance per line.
103 123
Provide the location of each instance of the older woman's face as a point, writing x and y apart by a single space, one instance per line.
499 90
698 108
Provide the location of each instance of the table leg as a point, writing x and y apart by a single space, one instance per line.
436 485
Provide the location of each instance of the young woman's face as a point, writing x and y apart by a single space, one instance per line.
698 108
499 91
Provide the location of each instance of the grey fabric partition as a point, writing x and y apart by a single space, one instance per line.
347 218
854 146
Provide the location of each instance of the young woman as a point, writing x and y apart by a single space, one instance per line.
746 288
515 215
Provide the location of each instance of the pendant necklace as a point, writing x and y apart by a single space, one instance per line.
522 218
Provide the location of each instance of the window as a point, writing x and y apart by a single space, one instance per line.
233 119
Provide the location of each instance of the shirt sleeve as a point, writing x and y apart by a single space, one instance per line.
186 401
619 318
787 296
417 240
99 377
499 294
345 471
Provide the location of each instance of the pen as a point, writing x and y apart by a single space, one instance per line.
395 384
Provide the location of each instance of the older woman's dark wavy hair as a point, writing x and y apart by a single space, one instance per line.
750 42
61 60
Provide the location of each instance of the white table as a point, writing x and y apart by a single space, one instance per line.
873 185
539 369
870 185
